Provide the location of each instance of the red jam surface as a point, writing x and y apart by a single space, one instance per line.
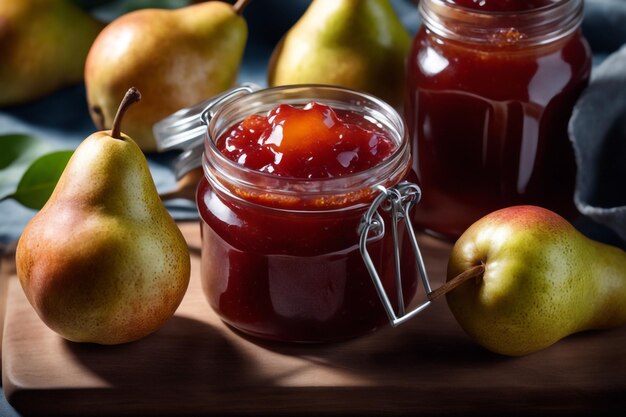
502 5
297 275
313 142
488 126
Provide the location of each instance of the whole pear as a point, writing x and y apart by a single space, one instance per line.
176 58
543 281
359 44
103 261
43 47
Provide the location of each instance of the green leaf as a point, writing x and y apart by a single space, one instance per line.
40 178
18 147
17 152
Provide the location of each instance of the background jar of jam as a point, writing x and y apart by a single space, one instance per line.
491 86
280 255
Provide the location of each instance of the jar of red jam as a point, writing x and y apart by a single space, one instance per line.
491 86
282 212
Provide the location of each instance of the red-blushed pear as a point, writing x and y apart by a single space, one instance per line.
43 47
103 261
176 58
542 281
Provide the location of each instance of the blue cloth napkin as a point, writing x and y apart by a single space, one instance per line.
598 134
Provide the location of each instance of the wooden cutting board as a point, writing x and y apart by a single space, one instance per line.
197 365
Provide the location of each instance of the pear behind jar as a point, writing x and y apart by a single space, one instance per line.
359 44
176 58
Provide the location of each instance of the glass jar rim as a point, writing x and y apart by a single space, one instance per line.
283 192
539 26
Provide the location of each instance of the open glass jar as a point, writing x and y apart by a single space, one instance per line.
491 86
281 256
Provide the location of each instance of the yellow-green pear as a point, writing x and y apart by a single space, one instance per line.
359 44
103 261
543 280
43 47
176 58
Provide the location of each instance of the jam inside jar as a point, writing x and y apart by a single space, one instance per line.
491 87
281 207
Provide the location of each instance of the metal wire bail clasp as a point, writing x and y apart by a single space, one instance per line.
397 201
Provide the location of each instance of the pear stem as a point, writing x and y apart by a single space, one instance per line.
132 96
474 272
240 5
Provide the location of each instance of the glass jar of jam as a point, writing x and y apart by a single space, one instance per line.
281 212
491 86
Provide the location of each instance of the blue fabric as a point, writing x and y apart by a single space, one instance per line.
598 134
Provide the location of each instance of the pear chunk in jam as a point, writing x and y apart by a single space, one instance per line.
314 141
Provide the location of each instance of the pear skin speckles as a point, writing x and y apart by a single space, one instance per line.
103 261
543 281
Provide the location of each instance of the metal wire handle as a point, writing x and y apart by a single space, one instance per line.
185 129
397 201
